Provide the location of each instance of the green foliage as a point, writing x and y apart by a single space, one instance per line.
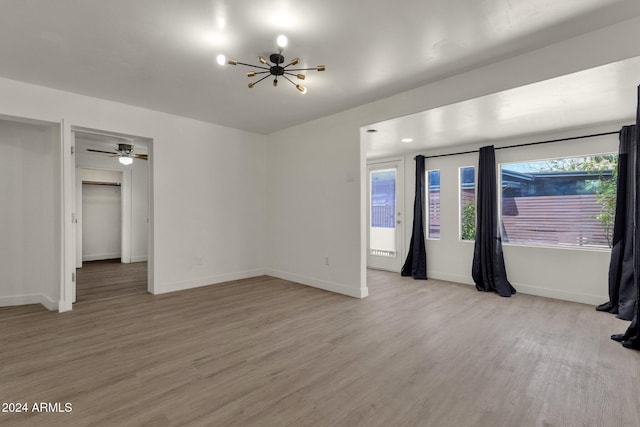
469 221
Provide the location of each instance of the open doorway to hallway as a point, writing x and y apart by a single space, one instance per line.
112 214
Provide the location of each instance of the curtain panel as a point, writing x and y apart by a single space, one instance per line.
488 270
416 262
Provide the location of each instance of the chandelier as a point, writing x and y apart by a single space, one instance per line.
274 67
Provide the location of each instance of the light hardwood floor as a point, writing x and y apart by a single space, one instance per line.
267 352
109 278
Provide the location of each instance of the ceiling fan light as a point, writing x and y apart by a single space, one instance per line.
251 74
301 88
125 160
320 68
300 76
262 59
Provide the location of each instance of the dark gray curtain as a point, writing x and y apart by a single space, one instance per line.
488 270
631 338
622 289
416 263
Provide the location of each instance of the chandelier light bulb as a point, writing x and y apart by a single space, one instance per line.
221 59
282 41
301 88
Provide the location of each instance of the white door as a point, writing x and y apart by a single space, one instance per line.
385 216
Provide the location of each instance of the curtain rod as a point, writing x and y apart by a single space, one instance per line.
527 143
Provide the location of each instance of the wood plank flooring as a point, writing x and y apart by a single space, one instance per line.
268 352
98 280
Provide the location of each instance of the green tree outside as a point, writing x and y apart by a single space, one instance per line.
468 231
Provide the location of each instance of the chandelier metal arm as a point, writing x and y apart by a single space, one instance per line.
258 81
302 69
291 81
254 66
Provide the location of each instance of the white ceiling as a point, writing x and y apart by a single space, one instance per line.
605 94
161 54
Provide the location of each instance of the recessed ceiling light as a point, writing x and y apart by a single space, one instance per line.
406 140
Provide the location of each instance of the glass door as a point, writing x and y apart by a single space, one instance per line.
385 216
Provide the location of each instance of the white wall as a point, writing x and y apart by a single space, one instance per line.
313 211
137 190
564 273
101 222
313 195
208 203
30 192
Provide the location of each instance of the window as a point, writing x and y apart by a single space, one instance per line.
467 203
433 196
382 230
560 202
383 198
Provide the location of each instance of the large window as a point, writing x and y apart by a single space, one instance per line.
560 202
467 203
433 196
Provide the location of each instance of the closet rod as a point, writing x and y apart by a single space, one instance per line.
112 184
528 143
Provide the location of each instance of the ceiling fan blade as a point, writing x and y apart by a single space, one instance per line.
100 151
140 156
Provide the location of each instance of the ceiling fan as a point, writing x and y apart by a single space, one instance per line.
124 152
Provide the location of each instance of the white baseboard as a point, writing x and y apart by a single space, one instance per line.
561 295
47 302
139 258
99 257
529 290
457 278
315 283
206 281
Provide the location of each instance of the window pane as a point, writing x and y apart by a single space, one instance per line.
433 189
382 232
560 202
467 203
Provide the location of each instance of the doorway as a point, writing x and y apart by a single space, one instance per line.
111 215
385 215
